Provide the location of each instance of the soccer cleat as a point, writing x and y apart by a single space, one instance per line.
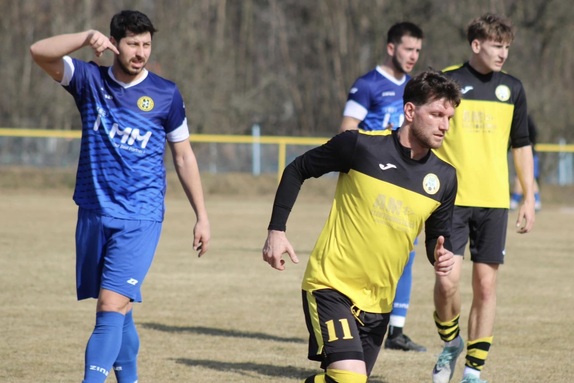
444 367
472 379
404 343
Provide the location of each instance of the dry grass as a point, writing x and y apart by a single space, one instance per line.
229 317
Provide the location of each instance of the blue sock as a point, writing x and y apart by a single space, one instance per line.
103 346
516 197
125 367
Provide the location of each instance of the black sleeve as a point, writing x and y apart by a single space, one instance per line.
440 221
519 135
334 156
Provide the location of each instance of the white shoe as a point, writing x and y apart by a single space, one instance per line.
444 367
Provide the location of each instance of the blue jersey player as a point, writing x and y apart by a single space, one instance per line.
375 102
128 114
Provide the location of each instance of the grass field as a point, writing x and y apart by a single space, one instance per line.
229 317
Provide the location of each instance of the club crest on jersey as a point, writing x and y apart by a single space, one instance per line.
431 184
502 92
145 103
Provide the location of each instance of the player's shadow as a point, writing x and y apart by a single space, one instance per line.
220 332
242 368
248 368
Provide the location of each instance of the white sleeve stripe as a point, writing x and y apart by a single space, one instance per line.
355 110
179 134
68 71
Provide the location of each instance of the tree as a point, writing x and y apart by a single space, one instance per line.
285 64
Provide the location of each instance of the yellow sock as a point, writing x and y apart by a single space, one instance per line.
448 330
337 376
477 351
342 376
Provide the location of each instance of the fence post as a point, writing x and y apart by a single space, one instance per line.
213 157
565 166
256 149
281 159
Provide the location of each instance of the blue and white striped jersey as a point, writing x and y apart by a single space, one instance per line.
121 170
377 100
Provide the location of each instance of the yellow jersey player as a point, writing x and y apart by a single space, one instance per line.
390 186
492 112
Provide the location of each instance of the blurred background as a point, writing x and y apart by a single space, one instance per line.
284 66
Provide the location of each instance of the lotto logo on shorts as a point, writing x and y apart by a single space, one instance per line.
132 281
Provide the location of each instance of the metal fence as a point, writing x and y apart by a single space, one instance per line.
254 153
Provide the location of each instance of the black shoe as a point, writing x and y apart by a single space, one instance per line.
403 342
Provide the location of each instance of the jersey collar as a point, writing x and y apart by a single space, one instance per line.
128 85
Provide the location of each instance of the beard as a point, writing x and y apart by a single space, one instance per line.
424 140
398 65
128 71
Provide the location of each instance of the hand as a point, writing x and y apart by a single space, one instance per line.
444 259
100 43
201 237
275 246
525 219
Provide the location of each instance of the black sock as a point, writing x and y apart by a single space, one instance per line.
395 331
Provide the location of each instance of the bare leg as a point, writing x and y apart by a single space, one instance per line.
447 307
482 311
447 292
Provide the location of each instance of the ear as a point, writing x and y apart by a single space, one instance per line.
409 111
476 46
391 49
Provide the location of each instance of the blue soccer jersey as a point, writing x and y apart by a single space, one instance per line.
377 100
121 170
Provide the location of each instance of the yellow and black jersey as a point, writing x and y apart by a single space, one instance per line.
382 201
493 110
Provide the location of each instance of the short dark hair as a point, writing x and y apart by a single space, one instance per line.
405 28
490 27
431 85
133 21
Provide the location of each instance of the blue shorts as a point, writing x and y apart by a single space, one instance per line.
113 254
536 166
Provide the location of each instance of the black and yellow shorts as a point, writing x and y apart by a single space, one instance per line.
338 330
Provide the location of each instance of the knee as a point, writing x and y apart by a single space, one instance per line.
484 283
484 291
446 287
112 301
111 308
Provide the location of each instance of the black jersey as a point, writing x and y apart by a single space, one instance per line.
382 201
493 110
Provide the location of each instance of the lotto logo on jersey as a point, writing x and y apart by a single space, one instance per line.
145 103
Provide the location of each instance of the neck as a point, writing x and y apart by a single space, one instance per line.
405 138
478 66
124 77
389 68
